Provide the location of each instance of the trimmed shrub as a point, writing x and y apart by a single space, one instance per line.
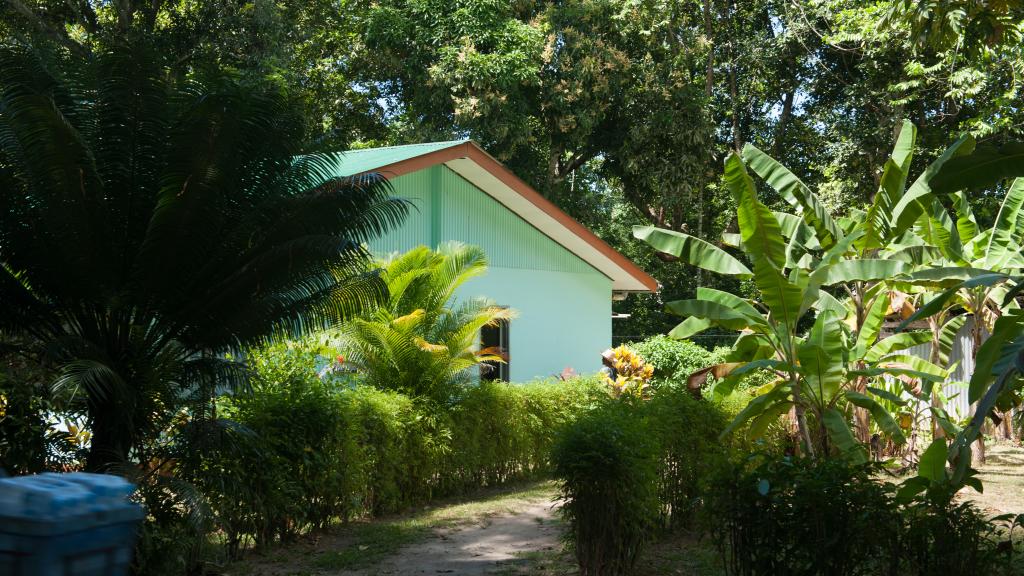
289 461
687 432
504 432
632 467
398 444
608 466
308 445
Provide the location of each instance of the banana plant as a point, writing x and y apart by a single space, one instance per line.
901 235
817 371
819 255
995 384
979 288
990 261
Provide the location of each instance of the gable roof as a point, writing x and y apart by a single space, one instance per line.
467 159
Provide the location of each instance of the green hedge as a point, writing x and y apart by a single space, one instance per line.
632 467
608 464
503 432
687 432
287 460
305 447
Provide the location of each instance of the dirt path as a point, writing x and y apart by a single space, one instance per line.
504 532
495 544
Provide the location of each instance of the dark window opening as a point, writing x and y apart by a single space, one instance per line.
494 339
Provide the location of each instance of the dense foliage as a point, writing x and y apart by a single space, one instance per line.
673 360
305 451
815 518
904 244
584 99
150 226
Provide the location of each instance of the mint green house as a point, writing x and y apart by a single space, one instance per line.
558 276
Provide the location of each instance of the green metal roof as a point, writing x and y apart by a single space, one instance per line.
359 161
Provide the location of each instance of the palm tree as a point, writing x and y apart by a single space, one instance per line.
421 342
151 227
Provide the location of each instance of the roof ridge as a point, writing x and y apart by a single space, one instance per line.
413 145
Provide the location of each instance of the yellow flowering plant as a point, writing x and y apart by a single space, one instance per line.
632 374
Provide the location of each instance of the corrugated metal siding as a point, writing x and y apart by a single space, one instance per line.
415 230
956 385
450 208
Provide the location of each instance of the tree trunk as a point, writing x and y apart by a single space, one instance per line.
978 448
110 442
780 130
737 140
861 415
709 73
801 419
709 88
935 324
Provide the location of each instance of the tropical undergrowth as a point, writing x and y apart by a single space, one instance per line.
311 445
798 516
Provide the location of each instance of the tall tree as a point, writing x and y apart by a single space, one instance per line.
152 226
620 111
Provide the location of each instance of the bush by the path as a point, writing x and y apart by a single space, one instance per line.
687 432
632 467
608 465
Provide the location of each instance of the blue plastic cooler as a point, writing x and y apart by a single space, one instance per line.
67 525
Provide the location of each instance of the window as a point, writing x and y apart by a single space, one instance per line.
496 338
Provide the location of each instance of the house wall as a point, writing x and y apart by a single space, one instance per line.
564 304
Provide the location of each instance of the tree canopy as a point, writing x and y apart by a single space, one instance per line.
620 111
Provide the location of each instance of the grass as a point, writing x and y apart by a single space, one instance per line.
681 554
363 544
371 543
1003 479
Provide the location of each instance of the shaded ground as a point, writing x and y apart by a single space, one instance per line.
501 532
1003 479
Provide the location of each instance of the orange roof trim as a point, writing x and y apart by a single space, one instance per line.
471 151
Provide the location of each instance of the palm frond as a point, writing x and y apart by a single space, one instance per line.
92 378
423 343
153 224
